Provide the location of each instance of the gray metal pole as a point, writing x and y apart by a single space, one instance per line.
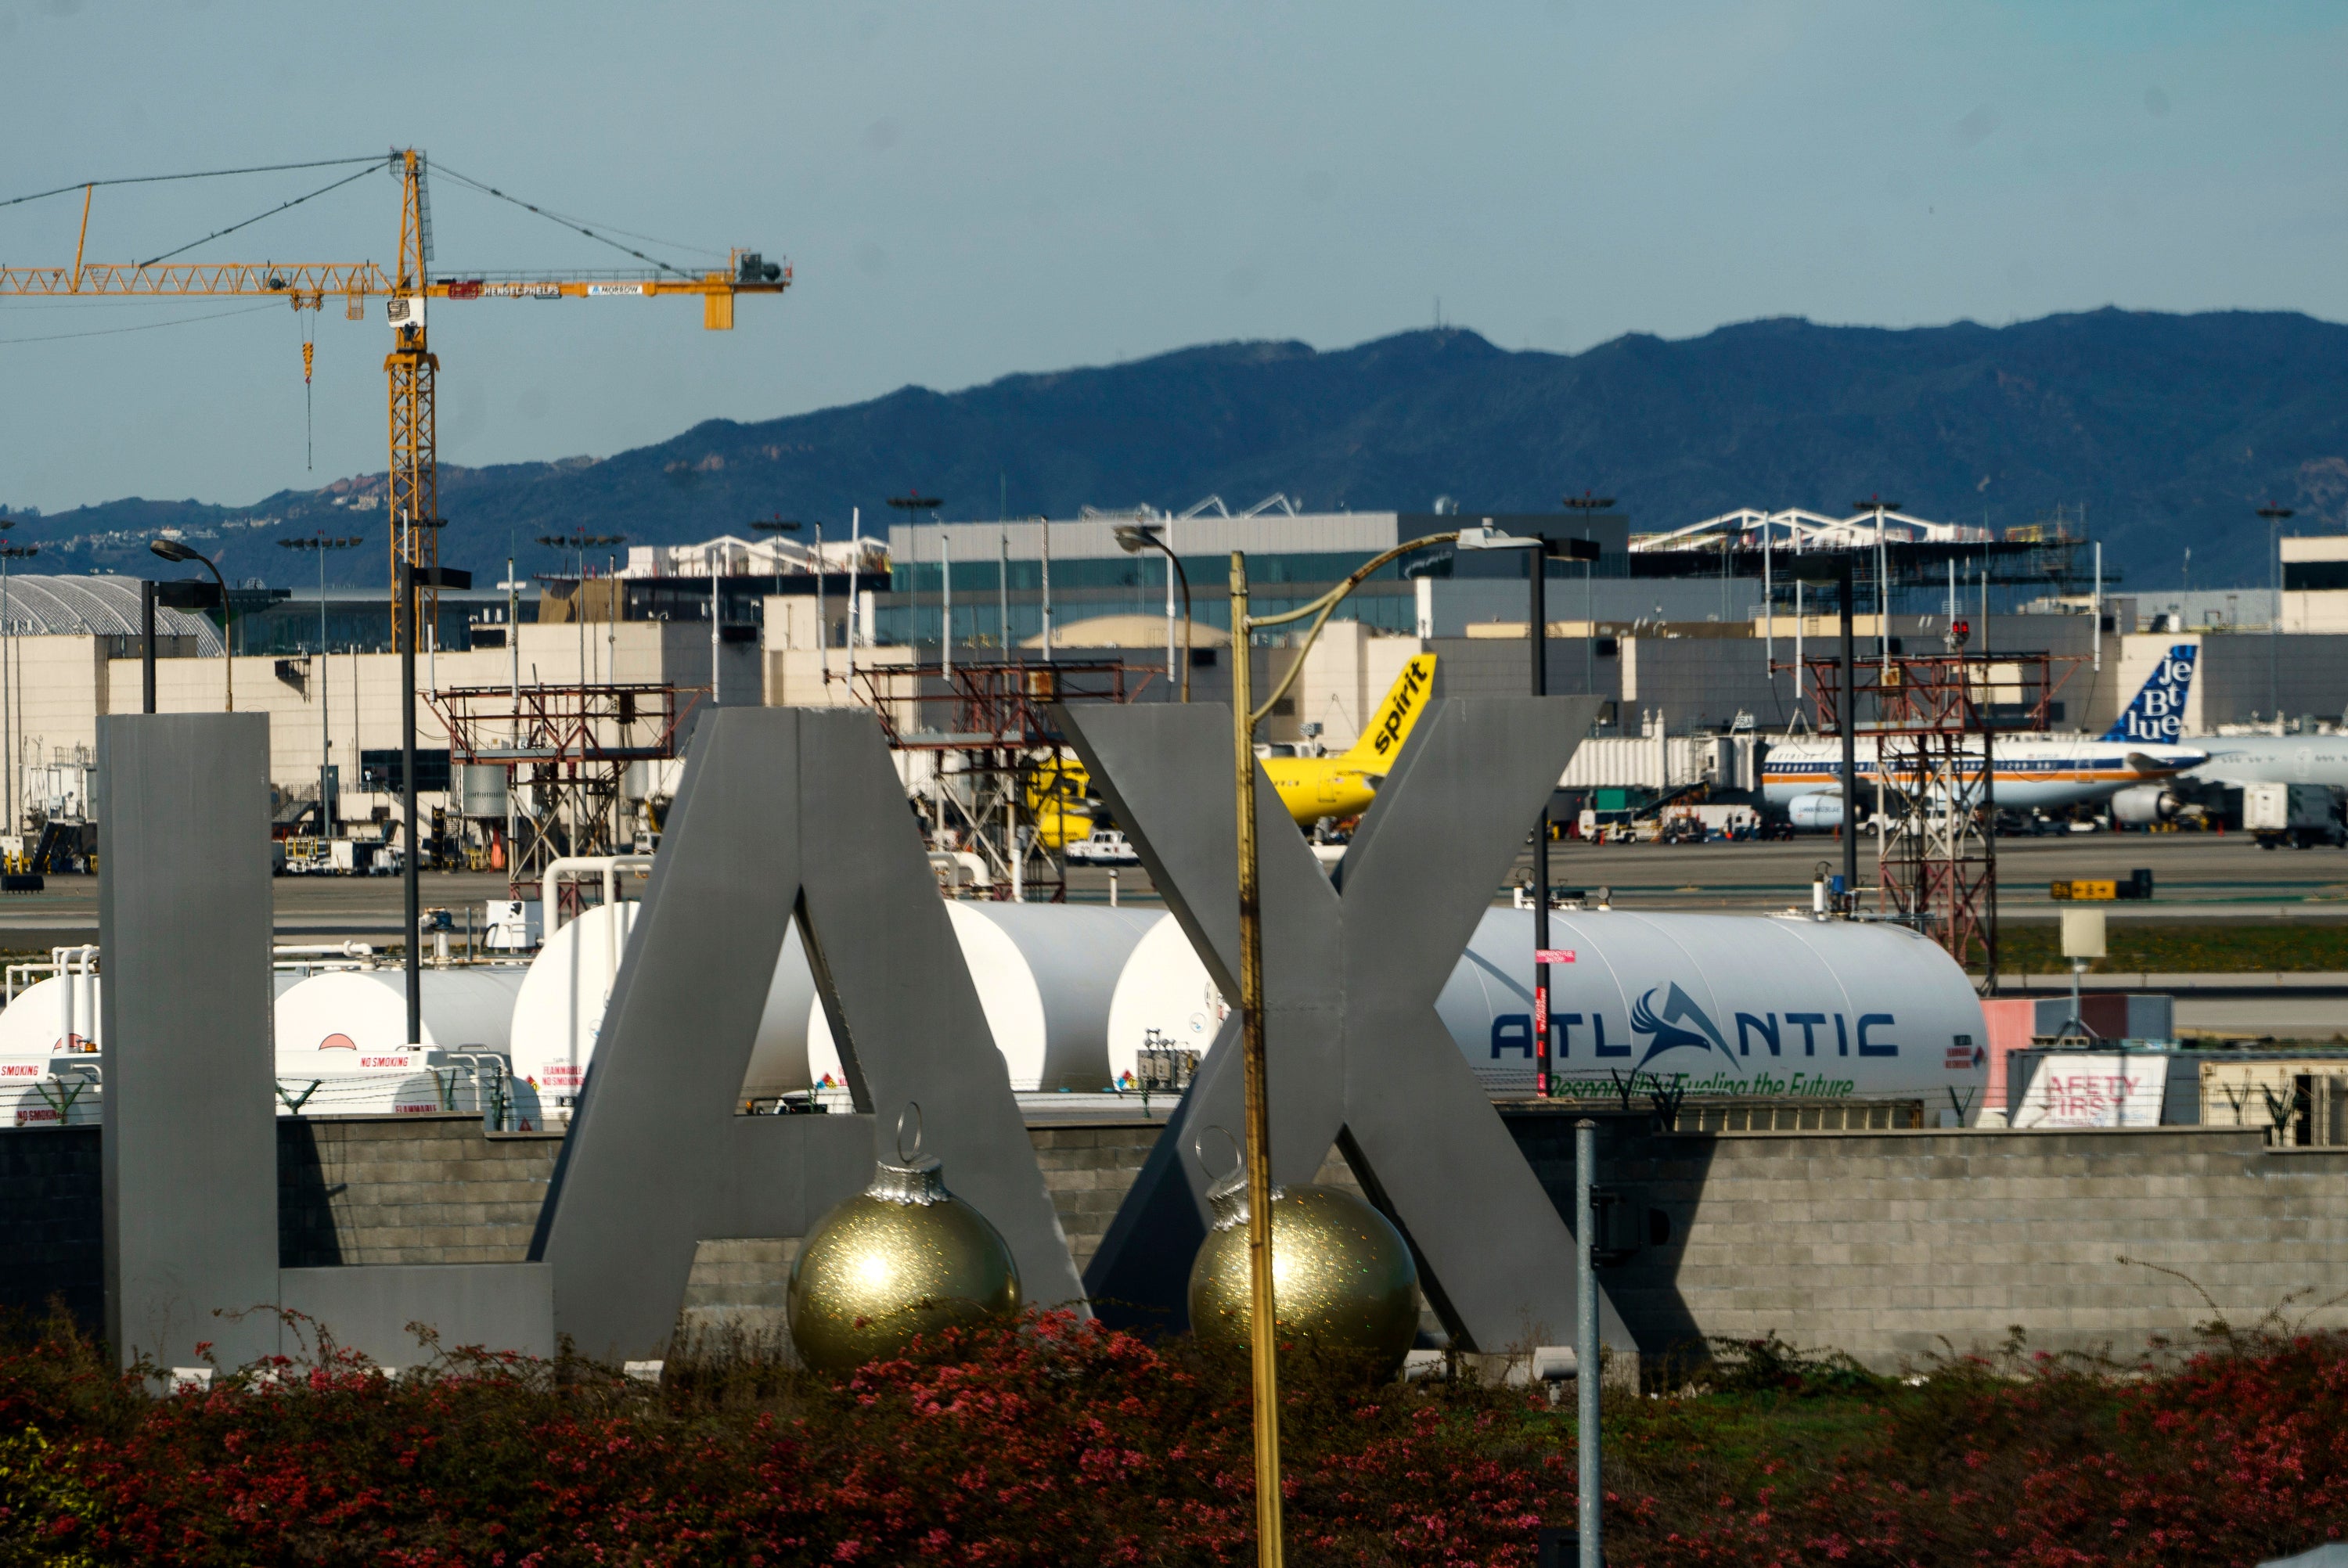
1847 723
326 721
409 856
1537 635
1586 1353
1044 526
146 648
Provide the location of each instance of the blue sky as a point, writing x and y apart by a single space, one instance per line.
967 191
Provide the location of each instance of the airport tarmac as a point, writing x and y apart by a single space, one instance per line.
2196 876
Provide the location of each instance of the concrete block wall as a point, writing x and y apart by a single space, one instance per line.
1896 1246
1890 1245
406 1189
51 1209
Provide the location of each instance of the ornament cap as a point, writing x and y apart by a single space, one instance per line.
1228 1198
920 1181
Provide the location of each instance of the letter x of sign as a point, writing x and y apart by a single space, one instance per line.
782 814
1355 1052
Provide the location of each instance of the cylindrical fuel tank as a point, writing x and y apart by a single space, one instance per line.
59 1013
1164 1001
560 1010
559 1007
1045 975
1722 1004
365 1010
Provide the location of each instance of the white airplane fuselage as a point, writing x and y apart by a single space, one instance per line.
2273 759
2031 773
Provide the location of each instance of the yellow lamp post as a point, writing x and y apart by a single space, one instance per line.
1261 1345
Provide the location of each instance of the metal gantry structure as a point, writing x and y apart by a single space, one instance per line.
990 751
1936 719
565 751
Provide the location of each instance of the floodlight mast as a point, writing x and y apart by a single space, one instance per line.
321 544
2274 518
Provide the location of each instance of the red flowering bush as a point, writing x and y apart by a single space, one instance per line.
1051 1441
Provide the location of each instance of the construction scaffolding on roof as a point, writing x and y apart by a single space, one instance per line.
985 764
565 753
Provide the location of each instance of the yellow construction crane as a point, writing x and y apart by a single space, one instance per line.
410 368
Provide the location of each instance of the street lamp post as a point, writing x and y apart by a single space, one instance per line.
1263 1346
320 545
1538 552
1836 568
7 662
172 550
1879 506
580 543
1135 537
913 502
2275 517
822 625
411 576
1586 504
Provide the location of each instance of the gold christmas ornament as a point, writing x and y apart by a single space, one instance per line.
903 1257
1341 1275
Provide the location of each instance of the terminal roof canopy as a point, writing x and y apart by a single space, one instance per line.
101 606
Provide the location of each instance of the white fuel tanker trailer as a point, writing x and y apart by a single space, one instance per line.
1729 1005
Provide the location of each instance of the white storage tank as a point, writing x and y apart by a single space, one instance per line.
559 1010
343 1081
50 1090
1046 975
58 1013
365 1010
1163 1001
1723 1004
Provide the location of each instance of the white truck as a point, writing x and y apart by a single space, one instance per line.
1102 846
2300 815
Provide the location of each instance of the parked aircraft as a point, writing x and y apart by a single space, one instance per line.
2034 773
1313 788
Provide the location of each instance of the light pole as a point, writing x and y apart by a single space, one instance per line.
1879 506
437 577
1586 504
1263 1346
172 550
2275 517
1135 537
913 502
1538 551
1836 568
822 627
7 660
582 544
320 545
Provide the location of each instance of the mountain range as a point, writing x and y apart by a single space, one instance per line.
2169 431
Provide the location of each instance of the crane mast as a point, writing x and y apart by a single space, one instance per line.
413 490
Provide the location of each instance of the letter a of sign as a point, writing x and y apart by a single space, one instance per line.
781 812
1355 1051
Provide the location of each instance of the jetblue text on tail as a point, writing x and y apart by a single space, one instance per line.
2158 714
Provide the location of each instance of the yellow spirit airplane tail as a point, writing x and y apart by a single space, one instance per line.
1382 739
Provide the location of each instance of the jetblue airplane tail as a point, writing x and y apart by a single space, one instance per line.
2158 714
